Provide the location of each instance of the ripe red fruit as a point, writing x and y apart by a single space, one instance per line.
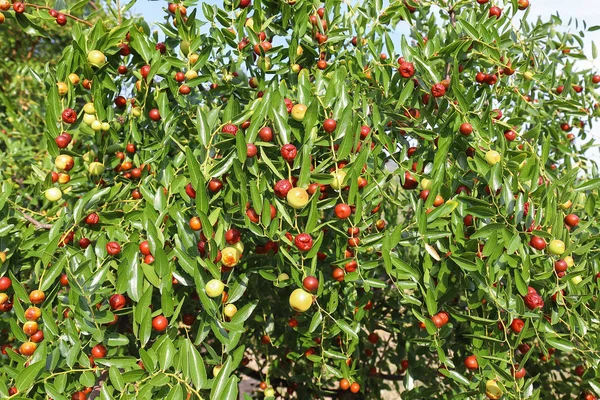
495 12
265 46
517 325
161 47
120 101
596 79
61 19
289 152
145 248
117 301
491 79
5 283
282 188
537 243
84 243
344 384
188 319
409 181
19 7
69 116
144 71
355 388
265 134
113 248
444 316
78 396
232 236
189 190
510 135
437 321
572 220
253 215
517 372
471 363
159 323
251 150
561 266
62 141
438 90
338 274
329 125
406 69
154 115
92 219
310 283
533 300
466 129
230 129
99 351
303 242
364 131
124 49
342 211
184 89
215 185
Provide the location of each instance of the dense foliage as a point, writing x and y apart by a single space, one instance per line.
273 193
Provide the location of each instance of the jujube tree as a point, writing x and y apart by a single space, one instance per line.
295 192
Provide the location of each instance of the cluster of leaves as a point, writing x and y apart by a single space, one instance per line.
179 171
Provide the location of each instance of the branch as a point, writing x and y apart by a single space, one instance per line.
452 14
82 21
38 225
98 386
32 49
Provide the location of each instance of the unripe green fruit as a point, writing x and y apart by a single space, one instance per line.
191 74
300 300
492 157
96 168
185 47
96 58
53 194
298 112
88 119
89 108
230 310
96 125
556 247
528 75
338 179
214 288
297 197
105 126
283 277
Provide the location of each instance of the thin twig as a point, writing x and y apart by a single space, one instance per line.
38 225
98 386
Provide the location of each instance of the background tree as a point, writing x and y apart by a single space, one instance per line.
303 197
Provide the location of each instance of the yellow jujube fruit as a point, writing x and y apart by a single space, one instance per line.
230 256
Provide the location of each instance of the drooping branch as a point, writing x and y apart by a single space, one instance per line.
38 225
82 21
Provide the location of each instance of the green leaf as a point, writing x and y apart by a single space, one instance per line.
27 376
